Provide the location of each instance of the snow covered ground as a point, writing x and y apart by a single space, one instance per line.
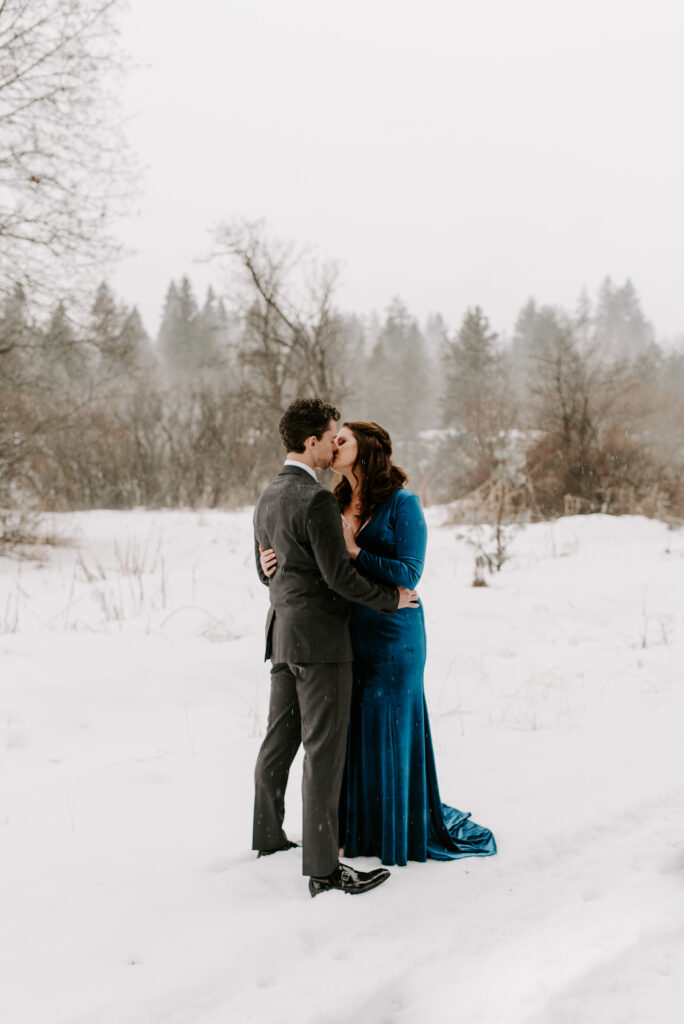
133 697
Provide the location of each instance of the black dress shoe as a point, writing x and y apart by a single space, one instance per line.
267 853
349 880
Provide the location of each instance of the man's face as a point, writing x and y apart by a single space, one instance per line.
324 450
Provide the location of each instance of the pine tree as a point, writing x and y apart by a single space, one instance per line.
104 330
63 354
211 341
537 330
119 337
135 349
14 329
105 317
17 411
470 366
584 317
622 330
399 371
476 405
179 330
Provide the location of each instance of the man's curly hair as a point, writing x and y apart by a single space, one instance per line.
305 417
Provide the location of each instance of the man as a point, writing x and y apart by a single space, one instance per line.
307 640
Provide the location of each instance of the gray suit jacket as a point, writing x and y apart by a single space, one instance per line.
315 582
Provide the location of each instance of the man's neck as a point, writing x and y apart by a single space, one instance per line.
305 458
302 464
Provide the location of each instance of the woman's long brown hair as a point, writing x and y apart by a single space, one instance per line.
379 476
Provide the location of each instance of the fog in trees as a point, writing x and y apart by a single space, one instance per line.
578 411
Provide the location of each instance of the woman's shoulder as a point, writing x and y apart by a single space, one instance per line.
398 502
403 496
404 501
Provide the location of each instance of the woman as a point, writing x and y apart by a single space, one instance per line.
390 805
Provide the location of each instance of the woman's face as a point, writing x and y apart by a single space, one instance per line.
345 451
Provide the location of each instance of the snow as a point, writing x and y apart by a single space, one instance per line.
133 696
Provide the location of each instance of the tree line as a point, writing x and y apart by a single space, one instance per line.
576 411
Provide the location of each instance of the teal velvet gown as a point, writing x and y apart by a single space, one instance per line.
390 805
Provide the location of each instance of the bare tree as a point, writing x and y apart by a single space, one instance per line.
294 337
64 167
585 443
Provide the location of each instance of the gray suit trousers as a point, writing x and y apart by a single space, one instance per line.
309 705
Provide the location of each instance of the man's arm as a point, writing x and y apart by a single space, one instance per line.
324 528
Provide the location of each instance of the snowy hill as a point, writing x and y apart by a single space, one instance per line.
133 696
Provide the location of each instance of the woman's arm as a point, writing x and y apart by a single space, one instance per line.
259 564
267 560
410 537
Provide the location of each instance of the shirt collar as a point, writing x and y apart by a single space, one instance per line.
301 465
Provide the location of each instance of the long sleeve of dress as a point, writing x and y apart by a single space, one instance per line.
406 568
324 528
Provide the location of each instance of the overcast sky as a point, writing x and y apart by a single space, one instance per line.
453 153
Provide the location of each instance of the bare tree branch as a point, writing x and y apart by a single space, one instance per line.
64 165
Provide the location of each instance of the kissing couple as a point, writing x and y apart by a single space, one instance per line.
345 634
